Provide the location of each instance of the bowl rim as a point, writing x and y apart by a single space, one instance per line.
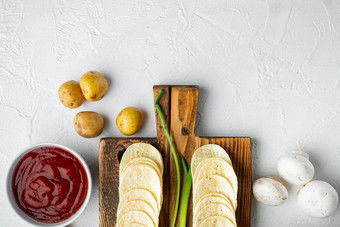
20 212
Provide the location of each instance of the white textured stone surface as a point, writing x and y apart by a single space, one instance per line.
267 69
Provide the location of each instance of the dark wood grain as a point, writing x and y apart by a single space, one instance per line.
179 103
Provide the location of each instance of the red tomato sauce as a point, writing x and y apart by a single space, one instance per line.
49 184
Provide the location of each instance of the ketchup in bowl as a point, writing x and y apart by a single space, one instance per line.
49 184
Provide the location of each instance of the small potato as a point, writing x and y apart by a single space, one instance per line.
70 94
129 120
93 85
88 124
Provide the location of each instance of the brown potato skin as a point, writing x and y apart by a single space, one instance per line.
70 94
88 124
129 120
93 85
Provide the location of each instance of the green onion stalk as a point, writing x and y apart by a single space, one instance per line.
184 164
185 193
174 155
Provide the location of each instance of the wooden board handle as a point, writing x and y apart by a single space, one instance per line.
184 101
183 110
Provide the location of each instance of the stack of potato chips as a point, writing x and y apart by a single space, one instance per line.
214 188
140 186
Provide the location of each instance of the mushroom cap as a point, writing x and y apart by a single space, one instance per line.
295 169
317 199
270 191
301 153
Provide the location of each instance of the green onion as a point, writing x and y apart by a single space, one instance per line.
185 199
174 155
184 164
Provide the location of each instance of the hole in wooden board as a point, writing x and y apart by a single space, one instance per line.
120 153
185 131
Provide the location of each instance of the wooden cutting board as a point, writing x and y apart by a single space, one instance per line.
179 105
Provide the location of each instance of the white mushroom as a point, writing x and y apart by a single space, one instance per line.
317 199
301 153
296 168
270 191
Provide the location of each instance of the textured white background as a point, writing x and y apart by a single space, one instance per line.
267 69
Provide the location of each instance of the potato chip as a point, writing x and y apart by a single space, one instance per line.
140 186
135 217
214 210
142 177
212 194
137 205
216 221
217 184
216 166
208 151
142 195
143 161
214 187
145 150
212 198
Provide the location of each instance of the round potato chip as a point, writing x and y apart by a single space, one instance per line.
214 183
135 217
212 194
211 199
142 177
214 210
137 205
208 151
216 166
136 224
144 161
142 195
216 221
145 150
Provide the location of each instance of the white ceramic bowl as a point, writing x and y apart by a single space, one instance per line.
21 213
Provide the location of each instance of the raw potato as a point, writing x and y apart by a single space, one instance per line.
88 124
129 120
93 85
70 94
